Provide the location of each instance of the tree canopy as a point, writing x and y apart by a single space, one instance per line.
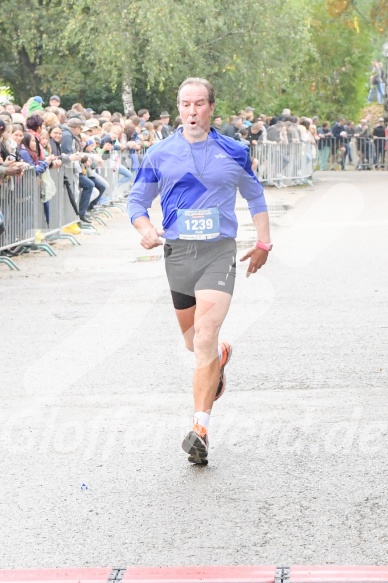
312 57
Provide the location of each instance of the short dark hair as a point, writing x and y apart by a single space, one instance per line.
141 112
211 97
34 122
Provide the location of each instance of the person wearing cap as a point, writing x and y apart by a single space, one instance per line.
379 141
71 144
93 127
33 105
166 129
55 101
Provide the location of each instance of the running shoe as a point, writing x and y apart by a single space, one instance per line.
225 358
196 444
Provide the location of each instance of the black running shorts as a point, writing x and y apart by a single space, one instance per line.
197 265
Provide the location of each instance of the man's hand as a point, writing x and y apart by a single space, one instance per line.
258 258
151 237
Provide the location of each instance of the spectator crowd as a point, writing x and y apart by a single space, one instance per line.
45 136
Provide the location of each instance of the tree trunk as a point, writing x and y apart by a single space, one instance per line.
127 91
27 82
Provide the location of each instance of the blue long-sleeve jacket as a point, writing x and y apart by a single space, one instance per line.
199 175
40 167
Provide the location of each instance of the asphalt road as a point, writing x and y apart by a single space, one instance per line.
95 399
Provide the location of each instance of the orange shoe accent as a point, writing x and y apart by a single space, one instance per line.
200 429
225 354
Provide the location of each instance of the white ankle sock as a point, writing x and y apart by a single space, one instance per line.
202 419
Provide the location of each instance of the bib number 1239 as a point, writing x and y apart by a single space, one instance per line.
198 224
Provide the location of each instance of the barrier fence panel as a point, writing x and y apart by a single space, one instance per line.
17 200
110 172
24 212
358 152
283 164
66 205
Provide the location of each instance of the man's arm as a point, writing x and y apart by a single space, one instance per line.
144 190
150 235
258 257
251 189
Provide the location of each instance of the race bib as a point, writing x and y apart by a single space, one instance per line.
198 224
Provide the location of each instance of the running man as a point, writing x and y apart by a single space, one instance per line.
197 172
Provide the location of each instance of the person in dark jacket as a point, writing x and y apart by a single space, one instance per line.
339 135
55 137
324 142
71 144
233 128
379 141
166 129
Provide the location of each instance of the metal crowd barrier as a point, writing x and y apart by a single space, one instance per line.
28 222
283 164
31 223
110 172
361 153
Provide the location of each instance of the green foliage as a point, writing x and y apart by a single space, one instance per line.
264 54
335 78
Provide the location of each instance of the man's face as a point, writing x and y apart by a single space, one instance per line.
217 122
76 131
249 115
55 103
146 115
195 111
10 108
165 120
